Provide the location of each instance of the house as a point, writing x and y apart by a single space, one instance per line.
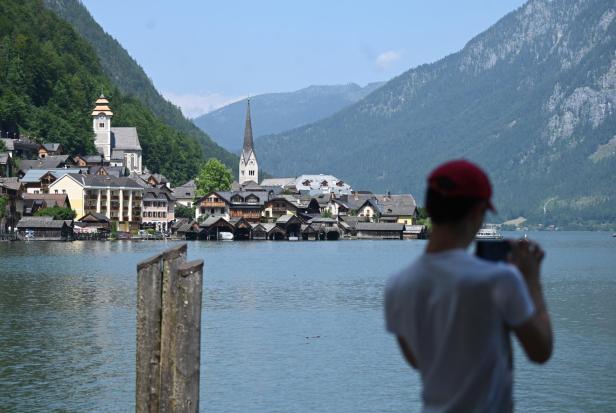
259 232
116 171
44 228
321 228
118 198
243 229
211 228
321 184
158 208
47 163
6 165
415 232
291 224
119 146
283 205
185 194
378 230
20 148
12 189
247 205
214 204
33 202
37 181
389 208
89 160
92 226
46 149
187 229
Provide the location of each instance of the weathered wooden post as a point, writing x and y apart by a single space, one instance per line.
168 332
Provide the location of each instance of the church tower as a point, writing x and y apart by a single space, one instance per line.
249 168
101 123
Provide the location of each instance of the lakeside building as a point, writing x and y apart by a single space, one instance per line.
185 194
118 198
158 208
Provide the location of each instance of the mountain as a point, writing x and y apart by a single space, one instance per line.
126 74
532 99
278 112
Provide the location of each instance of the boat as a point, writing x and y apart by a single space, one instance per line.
489 232
225 236
293 238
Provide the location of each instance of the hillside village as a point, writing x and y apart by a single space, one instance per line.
113 194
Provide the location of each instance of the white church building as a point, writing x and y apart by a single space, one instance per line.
119 146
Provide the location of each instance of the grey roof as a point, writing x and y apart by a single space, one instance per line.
51 147
184 192
92 158
101 181
125 139
116 171
8 144
50 199
395 205
378 226
209 221
48 162
322 220
155 194
40 222
285 218
415 229
10 183
35 175
97 215
281 182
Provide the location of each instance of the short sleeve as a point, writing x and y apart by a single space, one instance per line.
512 297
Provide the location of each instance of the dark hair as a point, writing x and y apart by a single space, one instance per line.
447 209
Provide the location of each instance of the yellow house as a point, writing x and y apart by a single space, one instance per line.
119 199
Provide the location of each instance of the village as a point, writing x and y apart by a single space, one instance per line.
114 196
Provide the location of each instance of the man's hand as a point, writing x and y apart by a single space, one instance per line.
527 256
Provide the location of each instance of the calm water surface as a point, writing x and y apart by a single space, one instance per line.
287 327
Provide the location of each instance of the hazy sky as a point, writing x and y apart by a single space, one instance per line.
203 54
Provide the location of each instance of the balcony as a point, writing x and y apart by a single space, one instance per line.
215 204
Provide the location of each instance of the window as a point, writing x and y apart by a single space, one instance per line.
101 125
251 172
212 211
56 191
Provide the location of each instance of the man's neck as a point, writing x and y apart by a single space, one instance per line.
445 238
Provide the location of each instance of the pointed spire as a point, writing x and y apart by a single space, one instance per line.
248 145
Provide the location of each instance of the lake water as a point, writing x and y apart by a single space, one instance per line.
287 327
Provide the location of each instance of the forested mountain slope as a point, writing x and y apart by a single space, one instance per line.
532 99
279 112
49 80
126 74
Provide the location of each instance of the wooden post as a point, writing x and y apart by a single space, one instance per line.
169 294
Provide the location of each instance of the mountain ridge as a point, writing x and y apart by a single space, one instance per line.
526 99
277 112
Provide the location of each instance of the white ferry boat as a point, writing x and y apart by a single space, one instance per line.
489 232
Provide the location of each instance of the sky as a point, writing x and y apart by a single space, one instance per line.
203 54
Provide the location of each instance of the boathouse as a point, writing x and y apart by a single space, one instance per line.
44 228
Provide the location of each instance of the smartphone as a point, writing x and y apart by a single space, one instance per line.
497 250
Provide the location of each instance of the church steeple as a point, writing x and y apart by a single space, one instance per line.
249 169
248 146
101 124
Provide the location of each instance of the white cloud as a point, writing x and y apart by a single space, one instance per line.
194 105
386 59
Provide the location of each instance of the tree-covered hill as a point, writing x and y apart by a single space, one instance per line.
126 74
49 79
532 99
279 112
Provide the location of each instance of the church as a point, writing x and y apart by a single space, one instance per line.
249 168
119 146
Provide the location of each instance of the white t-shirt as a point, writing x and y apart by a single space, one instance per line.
453 310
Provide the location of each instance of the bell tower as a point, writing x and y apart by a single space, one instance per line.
101 124
249 168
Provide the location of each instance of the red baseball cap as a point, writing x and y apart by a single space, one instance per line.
461 178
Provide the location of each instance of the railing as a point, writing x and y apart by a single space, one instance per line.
208 204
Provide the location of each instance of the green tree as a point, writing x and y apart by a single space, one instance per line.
182 211
56 212
326 214
214 176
